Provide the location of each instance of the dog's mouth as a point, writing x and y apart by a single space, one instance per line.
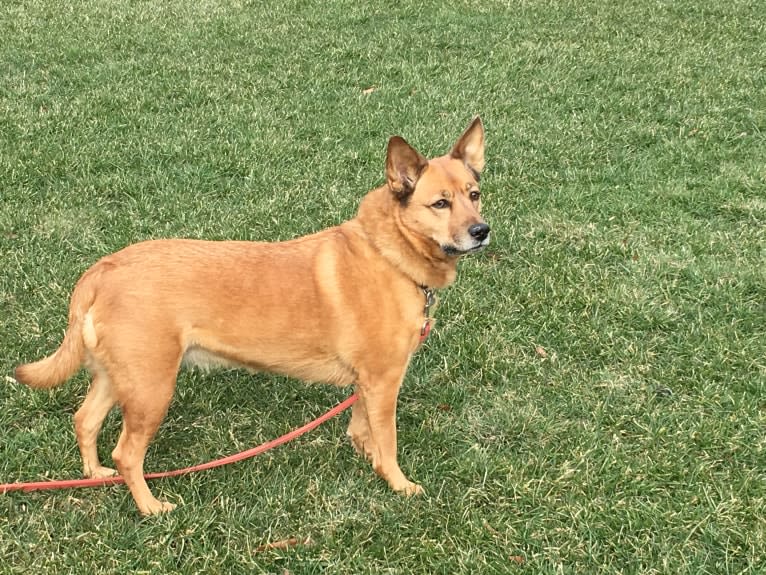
453 250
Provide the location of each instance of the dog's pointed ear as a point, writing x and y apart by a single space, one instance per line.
404 164
470 147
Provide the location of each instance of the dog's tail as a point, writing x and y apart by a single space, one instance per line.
66 360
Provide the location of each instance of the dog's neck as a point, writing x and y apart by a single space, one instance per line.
414 255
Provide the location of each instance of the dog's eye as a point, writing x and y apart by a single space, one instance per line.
440 205
475 195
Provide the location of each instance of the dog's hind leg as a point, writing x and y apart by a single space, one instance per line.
89 419
144 400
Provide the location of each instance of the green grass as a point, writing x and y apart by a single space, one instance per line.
593 400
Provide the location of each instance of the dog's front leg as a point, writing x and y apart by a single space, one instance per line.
359 430
377 401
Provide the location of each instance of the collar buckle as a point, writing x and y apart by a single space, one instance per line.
430 294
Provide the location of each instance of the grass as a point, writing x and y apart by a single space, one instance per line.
593 398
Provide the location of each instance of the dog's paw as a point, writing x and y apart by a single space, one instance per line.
409 489
100 472
157 507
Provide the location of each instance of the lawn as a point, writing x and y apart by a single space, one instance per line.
593 399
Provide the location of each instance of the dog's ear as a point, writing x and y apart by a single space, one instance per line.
470 147
404 164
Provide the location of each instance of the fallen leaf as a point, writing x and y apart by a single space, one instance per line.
284 544
518 559
540 351
491 529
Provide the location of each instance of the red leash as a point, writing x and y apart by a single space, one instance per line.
117 480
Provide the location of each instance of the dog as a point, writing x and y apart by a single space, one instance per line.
348 305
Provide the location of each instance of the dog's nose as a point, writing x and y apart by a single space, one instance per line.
479 231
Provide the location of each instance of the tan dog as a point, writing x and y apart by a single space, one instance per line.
346 305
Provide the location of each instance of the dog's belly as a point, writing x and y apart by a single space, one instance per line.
322 369
207 360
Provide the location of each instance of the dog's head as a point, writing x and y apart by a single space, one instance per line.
440 197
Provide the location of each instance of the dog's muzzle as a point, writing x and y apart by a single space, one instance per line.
479 233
